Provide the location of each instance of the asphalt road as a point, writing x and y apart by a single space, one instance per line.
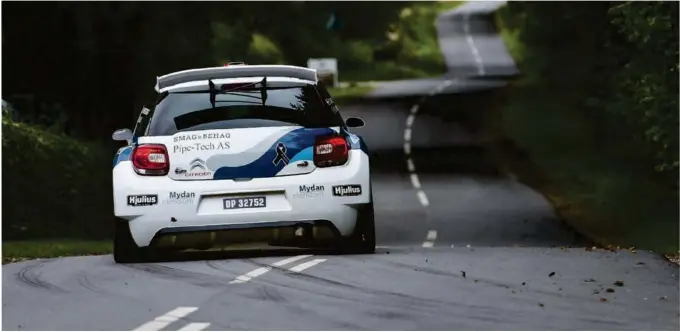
457 250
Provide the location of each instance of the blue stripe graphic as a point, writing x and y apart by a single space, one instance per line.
298 143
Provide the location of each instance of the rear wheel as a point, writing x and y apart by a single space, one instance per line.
125 250
362 241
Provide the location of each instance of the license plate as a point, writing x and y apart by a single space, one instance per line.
245 202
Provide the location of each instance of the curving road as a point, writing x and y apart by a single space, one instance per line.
456 251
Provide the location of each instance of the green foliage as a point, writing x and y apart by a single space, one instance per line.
262 50
597 111
54 186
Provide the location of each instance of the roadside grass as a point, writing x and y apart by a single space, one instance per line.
599 185
16 251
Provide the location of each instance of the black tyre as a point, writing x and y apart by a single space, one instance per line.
362 240
125 250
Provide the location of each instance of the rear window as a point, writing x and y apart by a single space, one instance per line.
285 105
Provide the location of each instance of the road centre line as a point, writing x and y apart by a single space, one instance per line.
414 181
306 265
166 319
290 260
408 133
430 238
423 198
471 43
262 270
195 327
411 166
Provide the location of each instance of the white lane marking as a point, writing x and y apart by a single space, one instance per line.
262 270
250 275
414 109
195 327
411 166
290 260
407 148
423 198
407 134
414 181
409 120
430 238
471 43
167 319
306 265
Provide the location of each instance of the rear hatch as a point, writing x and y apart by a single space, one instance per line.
253 128
244 153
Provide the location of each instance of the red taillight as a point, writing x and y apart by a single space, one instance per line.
330 151
151 159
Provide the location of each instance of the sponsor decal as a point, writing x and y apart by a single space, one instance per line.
347 190
195 137
192 147
310 191
197 168
180 197
142 200
281 156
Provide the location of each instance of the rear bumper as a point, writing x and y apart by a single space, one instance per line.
146 228
204 212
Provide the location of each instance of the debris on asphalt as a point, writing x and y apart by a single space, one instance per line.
663 298
541 305
618 283
589 280
524 284
476 280
610 290
595 292
674 258
463 273
602 299
551 274
640 263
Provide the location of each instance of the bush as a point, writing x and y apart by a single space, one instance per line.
597 111
54 186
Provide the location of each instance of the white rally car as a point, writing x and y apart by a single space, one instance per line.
240 154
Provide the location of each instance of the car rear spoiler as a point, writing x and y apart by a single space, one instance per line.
215 73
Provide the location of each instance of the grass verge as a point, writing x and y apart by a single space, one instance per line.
600 186
16 251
